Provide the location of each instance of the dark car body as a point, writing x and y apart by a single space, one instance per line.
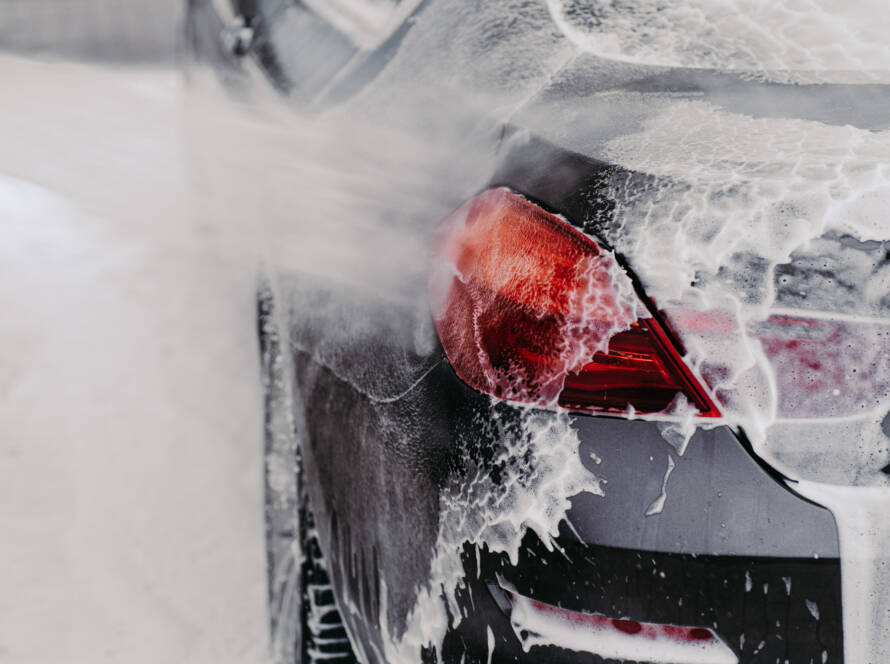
392 439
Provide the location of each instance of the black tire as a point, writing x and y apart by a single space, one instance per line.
304 621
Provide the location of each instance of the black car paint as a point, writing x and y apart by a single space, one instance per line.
378 467
733 540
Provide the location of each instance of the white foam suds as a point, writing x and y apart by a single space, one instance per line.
813 608
542 469
861 515
740 198
782 36
731 211
657 505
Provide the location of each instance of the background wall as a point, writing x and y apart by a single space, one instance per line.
120 30
131 527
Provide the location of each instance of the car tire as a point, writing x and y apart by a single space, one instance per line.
304 621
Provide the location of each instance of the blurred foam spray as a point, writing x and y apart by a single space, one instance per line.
130 493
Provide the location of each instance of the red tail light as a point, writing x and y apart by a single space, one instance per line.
530 309
823 365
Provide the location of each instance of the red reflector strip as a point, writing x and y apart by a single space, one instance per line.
540 624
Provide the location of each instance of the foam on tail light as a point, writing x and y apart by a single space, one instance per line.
529 309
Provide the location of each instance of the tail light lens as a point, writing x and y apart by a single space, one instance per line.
530 309
822 366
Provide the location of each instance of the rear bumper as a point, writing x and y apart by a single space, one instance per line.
764 609
732 549
716 500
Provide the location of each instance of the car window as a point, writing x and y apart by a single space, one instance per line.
367 23
312 47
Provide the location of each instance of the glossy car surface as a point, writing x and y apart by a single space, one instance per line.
401 461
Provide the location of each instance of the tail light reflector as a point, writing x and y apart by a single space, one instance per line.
619 639
530 309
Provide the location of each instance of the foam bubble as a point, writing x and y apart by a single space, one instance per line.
538 469
758 218
782 36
